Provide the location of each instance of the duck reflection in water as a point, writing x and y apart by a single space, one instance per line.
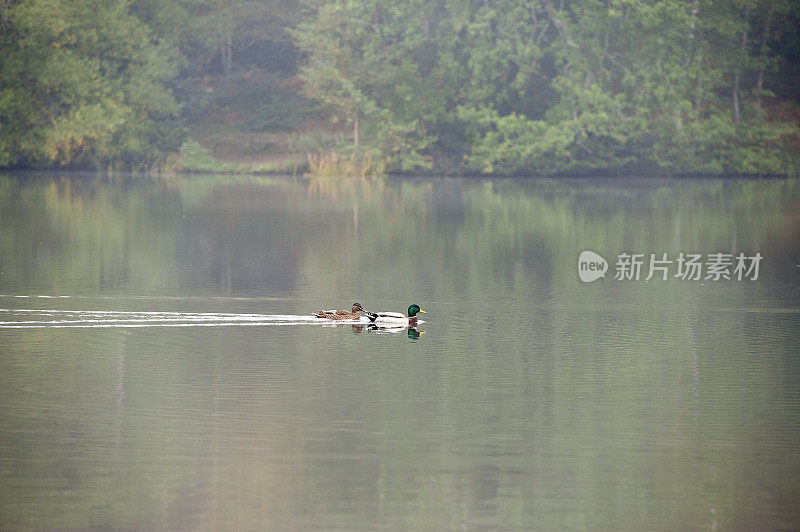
413 333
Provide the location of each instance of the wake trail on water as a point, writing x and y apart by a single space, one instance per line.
39 319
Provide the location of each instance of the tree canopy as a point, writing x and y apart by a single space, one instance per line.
554 85
502 86
84 82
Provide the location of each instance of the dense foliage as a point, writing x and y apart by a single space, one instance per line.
508 86
548 86
83 82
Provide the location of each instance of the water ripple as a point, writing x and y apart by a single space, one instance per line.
36 318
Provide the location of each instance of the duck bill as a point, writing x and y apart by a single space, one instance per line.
422 311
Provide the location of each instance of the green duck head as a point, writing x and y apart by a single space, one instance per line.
414 309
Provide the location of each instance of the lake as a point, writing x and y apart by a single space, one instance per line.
159 368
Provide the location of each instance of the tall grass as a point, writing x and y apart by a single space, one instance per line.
334 165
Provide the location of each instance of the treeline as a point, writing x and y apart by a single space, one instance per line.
503 86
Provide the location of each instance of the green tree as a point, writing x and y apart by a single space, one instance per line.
399 71
501 86
83 82
543 86
656 84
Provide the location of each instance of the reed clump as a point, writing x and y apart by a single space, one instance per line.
336 165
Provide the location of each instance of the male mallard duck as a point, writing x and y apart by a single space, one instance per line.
396 317
341 314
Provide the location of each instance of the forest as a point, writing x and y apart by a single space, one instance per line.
519 87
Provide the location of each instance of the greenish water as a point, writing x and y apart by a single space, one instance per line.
161 371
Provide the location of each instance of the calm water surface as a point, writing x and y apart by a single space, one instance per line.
158 368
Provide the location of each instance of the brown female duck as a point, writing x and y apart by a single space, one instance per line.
341 314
